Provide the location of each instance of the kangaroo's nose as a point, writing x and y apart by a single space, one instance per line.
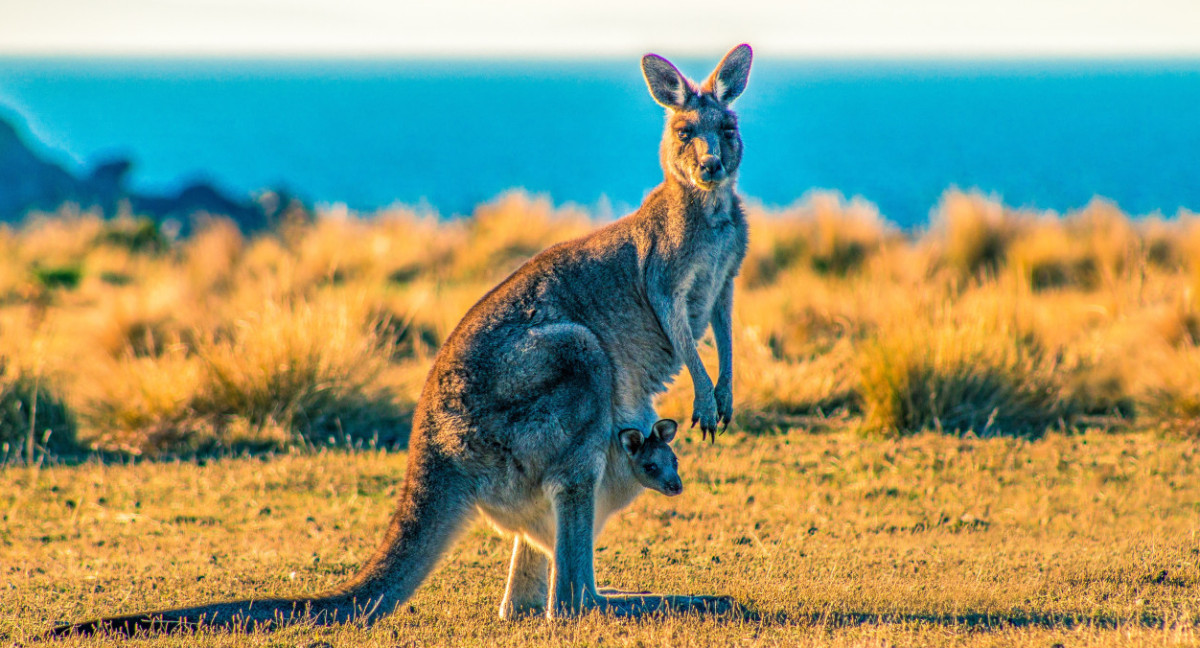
711 165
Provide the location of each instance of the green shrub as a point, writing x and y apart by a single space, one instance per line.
62 276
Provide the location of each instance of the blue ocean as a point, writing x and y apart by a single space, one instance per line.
449 134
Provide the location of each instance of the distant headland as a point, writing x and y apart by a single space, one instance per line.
31 183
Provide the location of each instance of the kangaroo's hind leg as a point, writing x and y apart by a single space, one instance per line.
526 592
563 394
574 587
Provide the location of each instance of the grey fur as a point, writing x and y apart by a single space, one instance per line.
519 417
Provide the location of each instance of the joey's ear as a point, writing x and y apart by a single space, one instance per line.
665 430
667 84
729 79
632 439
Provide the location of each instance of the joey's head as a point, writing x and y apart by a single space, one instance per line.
654 463
701 147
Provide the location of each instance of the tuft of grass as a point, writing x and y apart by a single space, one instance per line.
1171 400
971 233
959 377
824 232
146 407
311 368
1089 249
505 232
34 418
211 254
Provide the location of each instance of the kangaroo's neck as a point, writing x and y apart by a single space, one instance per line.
698 206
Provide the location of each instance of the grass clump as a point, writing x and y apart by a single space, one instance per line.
824 233
959 377
1171 400
1088 249
309 367
34 419
972 233
503 233
146 408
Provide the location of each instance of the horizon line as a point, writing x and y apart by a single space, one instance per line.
437 57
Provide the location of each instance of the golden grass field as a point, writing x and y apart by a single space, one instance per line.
980 433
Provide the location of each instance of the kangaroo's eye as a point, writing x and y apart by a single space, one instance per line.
683 134
729 132
651 469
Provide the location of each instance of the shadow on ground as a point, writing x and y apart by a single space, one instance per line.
973 620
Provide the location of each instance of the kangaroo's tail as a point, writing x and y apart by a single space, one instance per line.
434 507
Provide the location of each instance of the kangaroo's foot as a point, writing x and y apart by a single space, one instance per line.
642 601
637 604
640 604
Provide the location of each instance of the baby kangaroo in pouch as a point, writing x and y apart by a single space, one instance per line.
526 414
654 463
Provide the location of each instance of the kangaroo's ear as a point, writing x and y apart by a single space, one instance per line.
665 430
632 439
667 84
729 79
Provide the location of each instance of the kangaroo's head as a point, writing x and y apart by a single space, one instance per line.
654 463
701 147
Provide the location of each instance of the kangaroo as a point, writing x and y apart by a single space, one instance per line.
649 463
654 463
520 415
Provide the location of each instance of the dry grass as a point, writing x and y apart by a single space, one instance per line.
1033 328
976 376
994 321
833 540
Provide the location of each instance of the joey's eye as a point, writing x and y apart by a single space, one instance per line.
651 469
729 132
683 134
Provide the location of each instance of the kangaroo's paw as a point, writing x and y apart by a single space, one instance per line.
704 412
724 397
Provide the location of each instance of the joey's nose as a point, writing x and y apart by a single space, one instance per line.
674 487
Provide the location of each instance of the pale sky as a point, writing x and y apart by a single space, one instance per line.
317 28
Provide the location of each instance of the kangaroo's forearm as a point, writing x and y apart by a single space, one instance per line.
679 330
722 326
